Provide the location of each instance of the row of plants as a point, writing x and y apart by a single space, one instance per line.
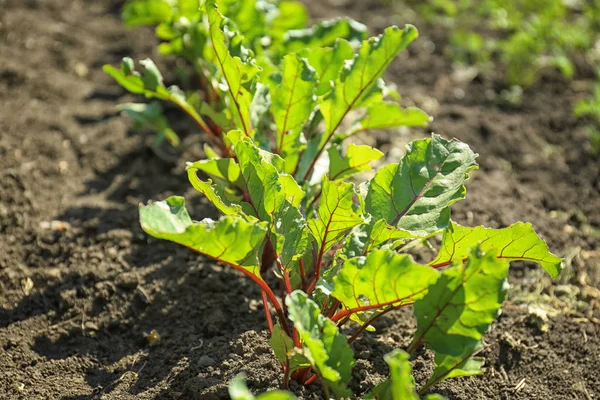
521 37
280 102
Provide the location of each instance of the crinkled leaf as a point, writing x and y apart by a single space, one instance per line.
387 115
516 242
239 391
328 62
292 234
146 12
416 193
234 71
458 309
293 100
231 240
150 116
322 343
324 34
336 214
357 159
355 81
382 278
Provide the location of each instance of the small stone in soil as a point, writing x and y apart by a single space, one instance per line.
206 361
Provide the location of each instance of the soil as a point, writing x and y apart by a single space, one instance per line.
90 307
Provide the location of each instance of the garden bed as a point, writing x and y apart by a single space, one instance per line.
82 287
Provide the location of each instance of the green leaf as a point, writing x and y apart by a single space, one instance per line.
400 385
387 115
336 215
328 62
293 100
230 240
223 170
216 194
150 116
323 344
324 34
366 238
357 159
457 310
239 391
516 242
150 84
146 12
286 353
358 79
416 193
234 71
382 278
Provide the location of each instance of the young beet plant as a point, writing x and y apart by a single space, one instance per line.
280 174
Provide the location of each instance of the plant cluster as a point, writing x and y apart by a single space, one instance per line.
326 253
525 37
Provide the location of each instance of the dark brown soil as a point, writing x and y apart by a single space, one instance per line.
81 286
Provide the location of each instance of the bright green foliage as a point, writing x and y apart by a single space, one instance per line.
293 101
388 115
458 310
230 240
336 215
355 82
324 345
382 278
517 242
522 37
274 99
239 391
357 159
416 193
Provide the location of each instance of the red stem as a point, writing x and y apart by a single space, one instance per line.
311 379
267 312
266 289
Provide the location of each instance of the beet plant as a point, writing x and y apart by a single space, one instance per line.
328 254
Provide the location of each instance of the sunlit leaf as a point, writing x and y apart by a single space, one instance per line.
146 12
516 242
362 74
233 70
336 214
231 240
387 115
356 159
328 62
382 278
458 309
293 100
324 34
416 193
323 344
